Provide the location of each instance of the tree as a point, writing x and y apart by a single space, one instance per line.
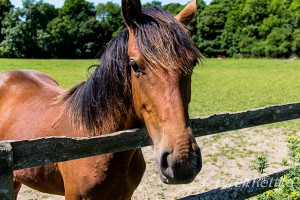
254 12
210 27
38 30
173 8
5 6
248 28
248 24
294 11
13 31
21 27
111 18
251 17
153 4
77 9
197 19
66 38
296 42
268 24
75 33
35 16
278 43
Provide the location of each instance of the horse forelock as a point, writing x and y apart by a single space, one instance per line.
165 42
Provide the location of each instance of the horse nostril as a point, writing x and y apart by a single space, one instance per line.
164 160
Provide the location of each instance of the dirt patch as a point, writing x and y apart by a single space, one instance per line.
226 160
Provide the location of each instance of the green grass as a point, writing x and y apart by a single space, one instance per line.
66 72
218 85
239 84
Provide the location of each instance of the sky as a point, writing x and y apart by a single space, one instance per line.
59 3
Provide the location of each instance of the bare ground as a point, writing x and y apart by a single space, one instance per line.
226 160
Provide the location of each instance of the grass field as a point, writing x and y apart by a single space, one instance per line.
233 85
218 86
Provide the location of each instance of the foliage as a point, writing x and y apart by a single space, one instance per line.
173 8
77 30
5 6
110 16
21 27
260 163
77 9
289 184
257 28
80 29
210 28
153 3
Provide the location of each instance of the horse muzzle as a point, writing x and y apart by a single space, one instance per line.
180 169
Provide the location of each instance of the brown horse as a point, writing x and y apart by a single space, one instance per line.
144 78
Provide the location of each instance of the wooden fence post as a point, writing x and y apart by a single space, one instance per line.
6 172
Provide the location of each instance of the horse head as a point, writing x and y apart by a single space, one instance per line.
162 55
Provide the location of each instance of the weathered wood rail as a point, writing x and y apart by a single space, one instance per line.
241 191
16 155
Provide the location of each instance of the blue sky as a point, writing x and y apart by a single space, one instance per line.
59 3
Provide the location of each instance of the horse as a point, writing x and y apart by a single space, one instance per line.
143 79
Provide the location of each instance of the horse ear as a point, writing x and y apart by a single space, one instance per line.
132 12
188 13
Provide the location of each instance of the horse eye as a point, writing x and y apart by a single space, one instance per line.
135 67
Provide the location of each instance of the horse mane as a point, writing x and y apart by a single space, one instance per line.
99 105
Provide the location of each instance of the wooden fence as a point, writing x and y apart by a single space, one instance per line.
16 155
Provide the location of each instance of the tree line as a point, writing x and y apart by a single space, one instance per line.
80 29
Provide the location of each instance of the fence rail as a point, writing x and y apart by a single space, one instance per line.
243 190
29 153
